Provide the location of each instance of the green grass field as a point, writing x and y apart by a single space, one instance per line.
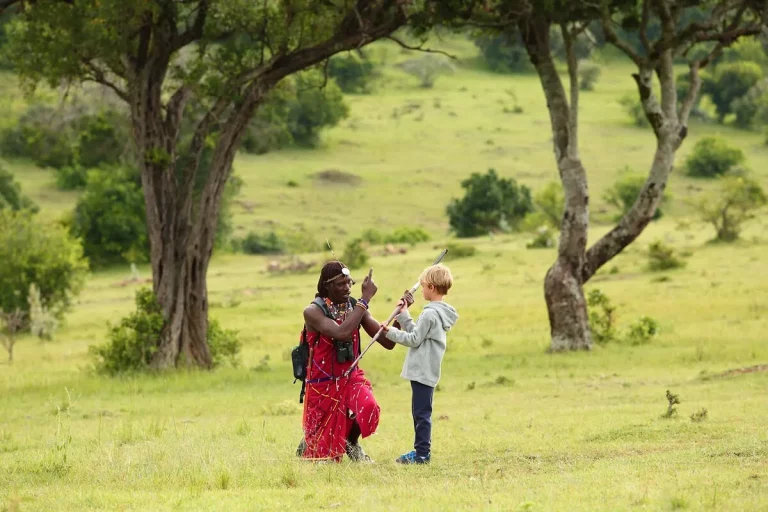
514 428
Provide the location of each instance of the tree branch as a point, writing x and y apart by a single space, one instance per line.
420 48
573 78
98 76
195 32
613 38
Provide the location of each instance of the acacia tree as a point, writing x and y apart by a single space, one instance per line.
204 63
668 115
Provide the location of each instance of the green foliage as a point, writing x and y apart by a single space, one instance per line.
69 138
634 109
543 239
752 108
109 218
132 343
355 254
295 113
672 401
490 204
33 252
11 196
353 74
589 73
642 331
224 344
504 52
746 49
662 257
457 251
42 322
406 235
269 243
623 194
712 156
601 317
550 203
730 82
427 68
736 202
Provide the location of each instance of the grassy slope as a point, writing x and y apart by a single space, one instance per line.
568 432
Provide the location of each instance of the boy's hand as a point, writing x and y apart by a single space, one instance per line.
406 300
384 328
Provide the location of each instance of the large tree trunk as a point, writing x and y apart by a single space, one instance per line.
563 290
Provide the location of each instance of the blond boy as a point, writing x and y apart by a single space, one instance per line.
426 339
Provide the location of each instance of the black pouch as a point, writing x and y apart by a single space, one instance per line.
345 351
300 359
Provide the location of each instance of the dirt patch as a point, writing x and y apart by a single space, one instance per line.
740 371
335 177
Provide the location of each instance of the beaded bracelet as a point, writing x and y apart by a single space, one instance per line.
362 303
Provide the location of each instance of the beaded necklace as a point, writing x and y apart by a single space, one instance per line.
338 311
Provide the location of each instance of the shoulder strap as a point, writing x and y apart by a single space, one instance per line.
319 302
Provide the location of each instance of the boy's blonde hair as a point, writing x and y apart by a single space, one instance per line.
438 276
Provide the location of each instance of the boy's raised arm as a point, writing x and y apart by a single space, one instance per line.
417 336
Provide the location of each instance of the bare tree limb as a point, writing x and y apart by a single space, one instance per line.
420 48
613 38
97 75
573 78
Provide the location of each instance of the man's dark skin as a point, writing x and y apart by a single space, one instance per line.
339 291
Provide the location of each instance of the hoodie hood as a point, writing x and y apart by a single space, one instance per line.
447 314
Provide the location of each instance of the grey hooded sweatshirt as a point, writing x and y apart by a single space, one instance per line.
426 339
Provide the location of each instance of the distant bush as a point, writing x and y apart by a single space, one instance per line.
71 177
752 108
406 235
69 136
353 74
11 197
504 52
224 345
730 82
737 200
601 317
428 68
295 113
662 257
33 252
109 217
589 73
711 157
490 204
355 254
457 251
550 203
269 243
634 109
642 331
543 239
373 236
623 194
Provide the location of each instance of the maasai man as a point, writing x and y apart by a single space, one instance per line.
338 410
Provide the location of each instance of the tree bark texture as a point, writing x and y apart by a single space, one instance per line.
563 285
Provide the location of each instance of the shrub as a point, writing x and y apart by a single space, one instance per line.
72 135
504 52
373 236
34 252
71 177
133 342
457 251
351 73
625 192
490 203
255 243
314 108
662 257
642 331
543 239
601 319
109 218
355 254
736 202
730 81
427 69
11 196
224 345
589 73
712 157
634 109
550 202
406 235
752 108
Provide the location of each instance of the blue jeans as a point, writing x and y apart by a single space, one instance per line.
421 408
